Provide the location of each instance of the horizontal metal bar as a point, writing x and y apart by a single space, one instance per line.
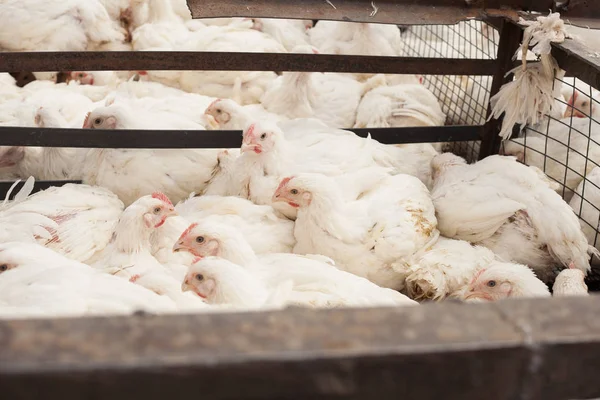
223 61
406 12
39 185
529 349
146 139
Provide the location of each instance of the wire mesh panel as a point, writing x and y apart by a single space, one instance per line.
463 98
566 146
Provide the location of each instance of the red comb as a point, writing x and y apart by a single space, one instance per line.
142 72
213 103
315 51
477 275
284 182
188 230
250 130
87 118
163 197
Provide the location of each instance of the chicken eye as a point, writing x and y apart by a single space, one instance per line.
97 121
294 191
200 239
218 111
81 75
584 104
200 277
157 210
491 283
3 267
263 136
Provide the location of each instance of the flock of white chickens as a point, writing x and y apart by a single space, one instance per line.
304 213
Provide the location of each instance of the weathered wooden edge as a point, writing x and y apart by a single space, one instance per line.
176 139
530 349
578 60
404 12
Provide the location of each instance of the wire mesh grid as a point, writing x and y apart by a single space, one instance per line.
566 147
463 98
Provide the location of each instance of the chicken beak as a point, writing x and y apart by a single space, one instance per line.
179 246
257 148
277 197
186 287
211 122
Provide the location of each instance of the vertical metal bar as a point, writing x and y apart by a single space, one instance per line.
510 39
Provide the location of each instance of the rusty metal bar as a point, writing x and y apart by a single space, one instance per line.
536 349
404 12
222 61
510 39
157 139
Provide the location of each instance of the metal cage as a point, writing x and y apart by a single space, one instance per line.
534 349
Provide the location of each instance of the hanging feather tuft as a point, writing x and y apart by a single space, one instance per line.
529 96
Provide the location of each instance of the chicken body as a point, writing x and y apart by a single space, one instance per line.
504 205
375 236
313 282
58 25
42 283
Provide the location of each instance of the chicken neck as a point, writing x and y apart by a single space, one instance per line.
131 234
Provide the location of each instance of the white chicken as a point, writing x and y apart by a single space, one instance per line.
229 115
175 172
445 268
313 282
27 227
501 281
128 254
44 163
504 205
330 97
586 203
338 37
221 282
290 33
8 88
262 226
570 282
400 105
374 236
572 142
37 282
246 87
73 208
59 25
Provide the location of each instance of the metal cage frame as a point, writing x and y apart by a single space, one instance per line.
529 349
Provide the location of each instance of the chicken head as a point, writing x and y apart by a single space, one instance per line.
580 106
196 240
292 192
260 137
84 78
157 208
504 280
99 119
220 110
445 160
200 279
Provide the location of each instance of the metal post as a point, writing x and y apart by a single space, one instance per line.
510 39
